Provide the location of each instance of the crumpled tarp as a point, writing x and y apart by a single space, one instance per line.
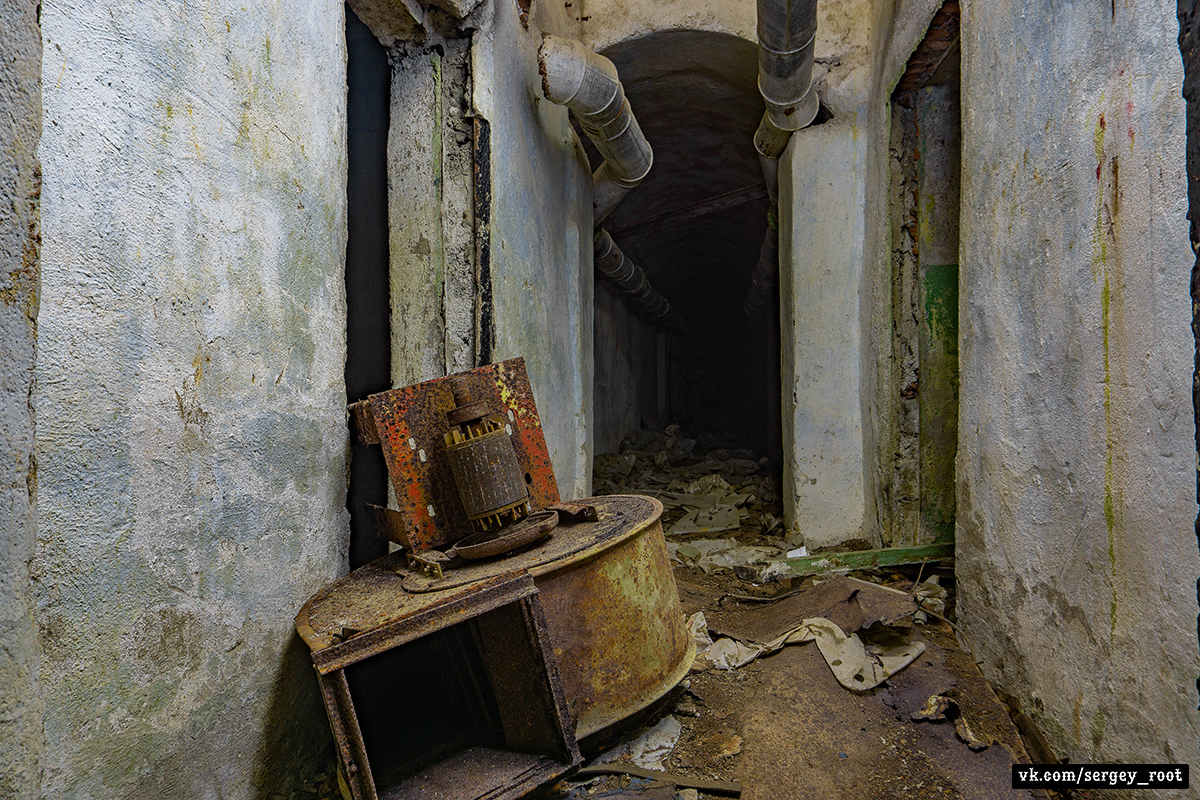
857 664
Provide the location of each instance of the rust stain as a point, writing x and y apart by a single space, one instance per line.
411 425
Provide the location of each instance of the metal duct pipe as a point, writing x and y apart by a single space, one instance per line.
614 265
786 32
770 141
587 83
766 272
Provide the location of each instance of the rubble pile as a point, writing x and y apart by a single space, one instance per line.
707 487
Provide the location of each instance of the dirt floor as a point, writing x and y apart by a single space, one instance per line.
782 726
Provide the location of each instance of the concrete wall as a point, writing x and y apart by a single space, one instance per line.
821 275
540 232
604 23
21 741
191 434
431 214
1077 558
626 368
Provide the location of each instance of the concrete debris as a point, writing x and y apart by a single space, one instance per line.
938 708
718 554
930 597
935 708
968 736
649 749
770 572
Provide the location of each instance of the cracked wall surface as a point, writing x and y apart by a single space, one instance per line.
1076 553
21 739
540 232
192 436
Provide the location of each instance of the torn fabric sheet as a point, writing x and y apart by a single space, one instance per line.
857 665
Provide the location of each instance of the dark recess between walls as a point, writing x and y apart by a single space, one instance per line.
368 328
1189 47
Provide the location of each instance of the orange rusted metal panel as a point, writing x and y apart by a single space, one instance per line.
411 424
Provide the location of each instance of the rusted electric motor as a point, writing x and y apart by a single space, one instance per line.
490 482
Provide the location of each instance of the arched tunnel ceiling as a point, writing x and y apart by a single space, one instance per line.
696 98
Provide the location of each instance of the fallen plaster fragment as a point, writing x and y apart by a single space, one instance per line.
967 735
649 750
934 709
712 554
931 597
857 666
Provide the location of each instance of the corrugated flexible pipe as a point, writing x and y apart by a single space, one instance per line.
587 83
786 33
617 267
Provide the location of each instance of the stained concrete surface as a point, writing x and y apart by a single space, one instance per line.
191 436
21 739
1076 466
540 224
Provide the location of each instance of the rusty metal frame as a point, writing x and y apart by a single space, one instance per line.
532 702
410 424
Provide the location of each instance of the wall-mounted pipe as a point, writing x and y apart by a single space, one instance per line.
587 83
616 266
786 33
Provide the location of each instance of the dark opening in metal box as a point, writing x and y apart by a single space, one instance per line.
451 694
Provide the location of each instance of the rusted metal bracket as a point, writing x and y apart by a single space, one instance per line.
410 423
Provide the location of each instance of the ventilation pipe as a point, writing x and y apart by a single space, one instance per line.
587 83
786 33
616 266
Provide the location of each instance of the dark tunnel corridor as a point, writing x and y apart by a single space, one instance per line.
695 225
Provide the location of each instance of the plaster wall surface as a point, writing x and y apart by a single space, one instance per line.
1076 555
604 23
430 215
820 280
541 232
21 740
626 368
192 436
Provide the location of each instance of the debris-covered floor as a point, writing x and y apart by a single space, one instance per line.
781 724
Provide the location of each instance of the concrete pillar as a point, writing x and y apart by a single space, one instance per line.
822 180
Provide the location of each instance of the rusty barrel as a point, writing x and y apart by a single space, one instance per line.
613 615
